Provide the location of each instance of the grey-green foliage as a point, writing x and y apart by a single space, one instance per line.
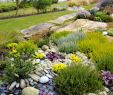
68 43
78 80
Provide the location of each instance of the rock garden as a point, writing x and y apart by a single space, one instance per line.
71 55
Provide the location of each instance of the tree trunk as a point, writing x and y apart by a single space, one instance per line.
17 6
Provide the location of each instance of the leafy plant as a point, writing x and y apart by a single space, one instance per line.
107 77
74 58
54 56
68 43
18 69
78 80
103 57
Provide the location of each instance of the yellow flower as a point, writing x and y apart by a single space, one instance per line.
58 67
40 55
74 58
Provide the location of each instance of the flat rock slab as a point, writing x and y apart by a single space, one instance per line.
85 24
37 30
62 19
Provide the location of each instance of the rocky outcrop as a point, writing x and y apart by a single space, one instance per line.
85 24
37 31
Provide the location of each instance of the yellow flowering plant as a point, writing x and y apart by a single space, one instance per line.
74 58
58 67
12 46
39 55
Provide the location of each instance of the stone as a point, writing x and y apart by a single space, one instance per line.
85 24
34 77
37 31
102 93
30 91
27 82
17 85
12 86
44 79
106 89
64 18
105 33
45 47
49 76
22 83
38 73
46 71
91 94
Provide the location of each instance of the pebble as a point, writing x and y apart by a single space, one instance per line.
44 79
49 76
12 85
17 85
22 83
34 77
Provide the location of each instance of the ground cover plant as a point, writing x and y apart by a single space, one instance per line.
78 80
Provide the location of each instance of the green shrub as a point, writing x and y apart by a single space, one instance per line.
110 32
43 41
41 5
101 16
78 80
68 43
18 69
103 57
57 35
91 42
7 7
23 50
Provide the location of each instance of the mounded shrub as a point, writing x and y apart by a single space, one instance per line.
91 42
68 43
103 57
78 80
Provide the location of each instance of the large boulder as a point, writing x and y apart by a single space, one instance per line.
30 91
85 24
37 31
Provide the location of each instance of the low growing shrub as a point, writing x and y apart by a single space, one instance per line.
43 41
78 80
103 57
91 42
68 43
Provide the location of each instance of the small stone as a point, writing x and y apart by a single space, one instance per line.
44 79
34 77
105 33
38 74
22 83
91 94
12 85
46 71
45 47
49 76
106 89
17 85
30 91
27 82
102 93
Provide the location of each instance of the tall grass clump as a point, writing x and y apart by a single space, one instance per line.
68 43
103 57
78 80
91 42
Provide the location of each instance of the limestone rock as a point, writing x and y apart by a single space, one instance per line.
22 83
12 85
30 91
85 24
34 77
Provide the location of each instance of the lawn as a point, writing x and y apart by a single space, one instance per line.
17 24
29 10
